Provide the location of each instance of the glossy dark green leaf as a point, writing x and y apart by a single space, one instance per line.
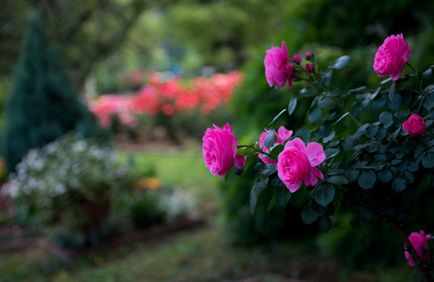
428 160
395 103
308 215
259 185
269 139
427 74
386 119
337 180
392 90
384 176
324 194
292 105
315 115
276 117
283 196
399 184
342 62
367 179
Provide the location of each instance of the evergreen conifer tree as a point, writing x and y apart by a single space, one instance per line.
42 105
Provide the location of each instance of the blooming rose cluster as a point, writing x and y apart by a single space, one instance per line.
167 97
280 68
419 242
297 164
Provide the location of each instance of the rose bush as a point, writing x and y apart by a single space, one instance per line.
362 139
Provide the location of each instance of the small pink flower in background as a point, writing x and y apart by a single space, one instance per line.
296 58
419 241
219 146
308 55
278 70
310 67
414 125
297 164
282 135
240 162
392 56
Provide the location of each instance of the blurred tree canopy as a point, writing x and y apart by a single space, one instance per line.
86 32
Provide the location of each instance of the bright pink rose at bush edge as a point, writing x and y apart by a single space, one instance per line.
392 56
278 69
419 241
219 149
414 125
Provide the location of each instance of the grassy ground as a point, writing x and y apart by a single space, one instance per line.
196 255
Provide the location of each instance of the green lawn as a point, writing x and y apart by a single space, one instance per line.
196 255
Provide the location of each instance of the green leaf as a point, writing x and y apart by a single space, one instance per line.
372 130
329 137
384 176
324 194
272 203
308 215
399 184
428 160
283 196
387 80
386 119
269 139
332 152
337 180
342 62
367 179
276 117
341 118
258 187
392 90
314 116
429 101
427 74
292 105
395 103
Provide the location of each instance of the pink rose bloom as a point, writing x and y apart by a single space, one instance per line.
278 69
392 56
409 259
310 67
282 135
419 241
414 125
219 149
298 163
240 162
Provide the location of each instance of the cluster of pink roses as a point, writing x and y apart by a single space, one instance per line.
419 242
167 97
296 164
280 68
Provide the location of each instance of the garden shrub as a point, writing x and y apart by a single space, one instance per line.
71 184
365 150
146 210
321 24
42 105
